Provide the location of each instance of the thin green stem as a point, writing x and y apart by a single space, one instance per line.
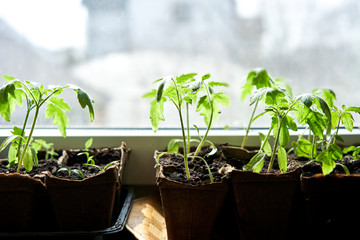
280 119
28 139
248 127
209 125
23 133
188 127
178 106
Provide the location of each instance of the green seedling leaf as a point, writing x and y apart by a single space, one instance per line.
327 163
78 172
274 97
222 99
151 94
346 170
256 163
348 121
159 92
85 101
266 145
59 117
353 109
34 154
303 148
282 158
7 141
284 135
156 114
108 165
28 160
64 169
174 145
88 143
336 152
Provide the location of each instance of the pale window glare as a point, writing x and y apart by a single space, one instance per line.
115 49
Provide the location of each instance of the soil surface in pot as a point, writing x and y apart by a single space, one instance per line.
101 157
352 164
294 162
174 167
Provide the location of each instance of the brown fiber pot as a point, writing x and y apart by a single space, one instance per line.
332 202
190 211
86 204
267 204
19 195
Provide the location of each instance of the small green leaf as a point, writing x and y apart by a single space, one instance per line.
348 121
256 163
156 114
160 90
28 160
335 151
282 158
174 145
78 172
59 117
327 163
274 97
222 98
151 94
7 141
284 135
289 121
88 143
35 157
84 101
353 109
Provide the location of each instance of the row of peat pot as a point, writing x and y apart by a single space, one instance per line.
46 203
248 205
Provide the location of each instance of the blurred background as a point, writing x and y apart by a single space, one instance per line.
115 49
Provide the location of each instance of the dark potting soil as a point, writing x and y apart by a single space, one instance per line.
294 162
101 157
174 168
352 164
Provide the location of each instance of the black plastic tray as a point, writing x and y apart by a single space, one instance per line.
127 195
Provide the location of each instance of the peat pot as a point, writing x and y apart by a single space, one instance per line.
190 210
332 203
88 204
268 204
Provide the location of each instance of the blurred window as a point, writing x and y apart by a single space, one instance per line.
115 50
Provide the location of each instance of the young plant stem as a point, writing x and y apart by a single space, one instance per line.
188 127
29 138
333 137
23 132
209 125
178 106
248 127
280 120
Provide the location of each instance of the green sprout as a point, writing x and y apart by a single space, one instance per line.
183 92
14 92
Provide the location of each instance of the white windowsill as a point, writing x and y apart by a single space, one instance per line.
143 142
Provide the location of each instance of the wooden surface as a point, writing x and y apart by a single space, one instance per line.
146 221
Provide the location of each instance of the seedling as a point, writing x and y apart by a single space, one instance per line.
50 153
279 105
90 159
328 150
14 92
183 92
100 168
76 171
